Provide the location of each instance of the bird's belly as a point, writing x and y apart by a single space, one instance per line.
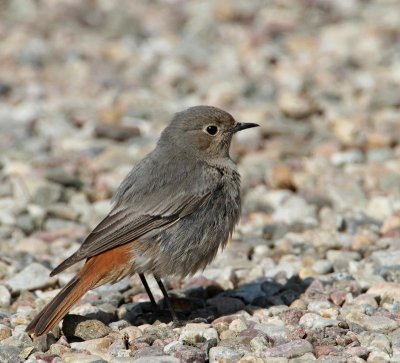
192 242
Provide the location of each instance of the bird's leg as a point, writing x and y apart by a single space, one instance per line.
149 293
167 300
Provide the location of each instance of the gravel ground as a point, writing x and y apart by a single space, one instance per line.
312 272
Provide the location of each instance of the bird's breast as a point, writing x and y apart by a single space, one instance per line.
192 242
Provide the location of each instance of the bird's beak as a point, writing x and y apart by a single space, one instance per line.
242 126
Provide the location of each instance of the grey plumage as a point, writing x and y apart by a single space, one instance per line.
179 204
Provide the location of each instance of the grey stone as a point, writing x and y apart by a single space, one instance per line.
119 325
5 297
226 305
187 353
305 358
322 266
84 328
61 176
379 324
292 349
248 292
386 258
295 209
218 353
47 194
197 333
25 222
5 332
10 354
34 276
315 322
277 333
157 359
347 157
75 357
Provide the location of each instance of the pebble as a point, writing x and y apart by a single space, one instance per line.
5 332
187 353
32 277
94 346
74 357
385 290
316 322
47 195
157 359
226 305
197 333
293 349
216 354
76 326
322 267
10 354
380 324
5 297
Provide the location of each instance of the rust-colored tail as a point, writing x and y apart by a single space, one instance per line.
109 266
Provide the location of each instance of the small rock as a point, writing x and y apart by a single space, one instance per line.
116 132
295 209
386 259
250 359
226 305
74 357
379 324
47 194
296 106
120 325
157 359
59 349
152 351
322 267
5 332
338 297
197 333
379 207
292 349
259 345
61 176
217 354
315 322
94 346
276 332
5 297
131 333
347 157
10 354
386 289
84 328
186 353
282 178
62 211
34 276
358 351
237 325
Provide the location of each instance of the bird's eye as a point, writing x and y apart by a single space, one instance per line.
211 130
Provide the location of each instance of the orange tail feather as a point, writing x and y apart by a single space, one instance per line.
106 267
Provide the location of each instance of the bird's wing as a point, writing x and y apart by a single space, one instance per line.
133 217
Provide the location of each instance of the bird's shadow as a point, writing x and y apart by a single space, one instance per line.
205 304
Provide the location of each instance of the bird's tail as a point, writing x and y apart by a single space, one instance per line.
106 267
57 308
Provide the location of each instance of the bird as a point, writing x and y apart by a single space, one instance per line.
169 217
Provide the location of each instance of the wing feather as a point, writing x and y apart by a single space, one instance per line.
126 223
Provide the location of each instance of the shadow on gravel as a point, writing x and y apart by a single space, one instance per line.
199 303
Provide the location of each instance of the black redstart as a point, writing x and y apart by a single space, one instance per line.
170 215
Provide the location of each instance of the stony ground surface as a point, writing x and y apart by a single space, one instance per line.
313 271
